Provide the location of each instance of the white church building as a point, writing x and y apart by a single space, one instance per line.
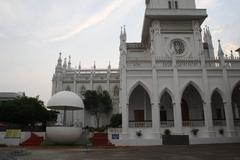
171 80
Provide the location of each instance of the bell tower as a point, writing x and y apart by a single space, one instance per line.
173 27
171 4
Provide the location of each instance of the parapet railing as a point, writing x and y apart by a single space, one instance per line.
237 122
219 122
193 123
167 124
182 62
140 124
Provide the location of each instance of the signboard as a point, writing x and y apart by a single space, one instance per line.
115 136
13 133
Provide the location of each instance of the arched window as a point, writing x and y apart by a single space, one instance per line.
140 109
192 107
218 112
236 104
166 110
116 91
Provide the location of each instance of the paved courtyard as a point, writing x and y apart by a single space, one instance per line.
195 152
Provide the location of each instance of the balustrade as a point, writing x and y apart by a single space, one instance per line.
140 124
193 123
165 124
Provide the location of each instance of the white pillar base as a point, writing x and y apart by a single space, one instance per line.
231 133
156 135
124 136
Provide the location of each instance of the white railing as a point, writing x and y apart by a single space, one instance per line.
164 124
193 123
213 63
140 124
189 63
219 122
237 122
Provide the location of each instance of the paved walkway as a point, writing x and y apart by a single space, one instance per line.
194 152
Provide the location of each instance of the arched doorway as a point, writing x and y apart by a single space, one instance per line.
166 110
140 111
218 112
236 104
192 107
185 111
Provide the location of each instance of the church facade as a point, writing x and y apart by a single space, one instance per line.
170 81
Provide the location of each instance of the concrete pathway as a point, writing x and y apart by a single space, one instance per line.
194 152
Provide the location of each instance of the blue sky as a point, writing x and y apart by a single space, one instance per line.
33 32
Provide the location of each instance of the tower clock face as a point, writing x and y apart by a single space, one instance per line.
177 46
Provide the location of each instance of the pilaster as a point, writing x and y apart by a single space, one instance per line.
228 104
206 99
177 111
155 39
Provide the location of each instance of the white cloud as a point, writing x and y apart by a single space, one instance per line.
2 35
206 3
230 46
94 20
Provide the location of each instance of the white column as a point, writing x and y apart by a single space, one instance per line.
177 111
155 105
75 83
155 49
228 104
91 81
206 99
124 103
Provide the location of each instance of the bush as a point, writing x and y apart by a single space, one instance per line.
116 121
139 133
221 131
90 129
167 132
100 129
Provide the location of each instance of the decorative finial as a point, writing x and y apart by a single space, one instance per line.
94 66
220 51
232 56
79 66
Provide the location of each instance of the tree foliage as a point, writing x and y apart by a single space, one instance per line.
116 120
97 103
25 110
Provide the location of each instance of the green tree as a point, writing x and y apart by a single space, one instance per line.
116 120
25 110
97 104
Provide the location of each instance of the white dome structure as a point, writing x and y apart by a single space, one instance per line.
65 100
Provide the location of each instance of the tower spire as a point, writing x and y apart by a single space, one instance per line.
123 35
94 65
207 38
69 63
79 66
60 59
65 64
220 51
59 64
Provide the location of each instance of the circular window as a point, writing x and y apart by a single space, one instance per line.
177 46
